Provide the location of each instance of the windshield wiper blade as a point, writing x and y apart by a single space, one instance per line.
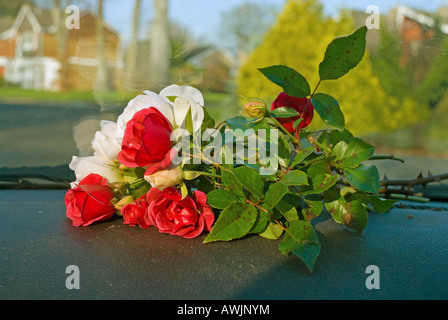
58 177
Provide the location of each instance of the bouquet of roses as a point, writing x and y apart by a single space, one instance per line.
166 164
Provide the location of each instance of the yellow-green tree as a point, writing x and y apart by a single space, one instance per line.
299 39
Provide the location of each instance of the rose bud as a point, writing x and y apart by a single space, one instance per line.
169 177
256 109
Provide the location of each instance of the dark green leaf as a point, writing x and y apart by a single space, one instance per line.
251 180
364 178
292 82
238 122
313 207
261 222
275 193
220 198
301 239
379 204
299 157
343 54
328 109
287 206
234 222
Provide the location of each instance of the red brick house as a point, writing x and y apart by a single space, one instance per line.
414 27
29 54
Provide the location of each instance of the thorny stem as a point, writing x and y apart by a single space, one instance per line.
412 182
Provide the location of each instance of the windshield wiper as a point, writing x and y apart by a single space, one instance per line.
58 177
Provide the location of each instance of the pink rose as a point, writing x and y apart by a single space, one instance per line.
90 201
187 217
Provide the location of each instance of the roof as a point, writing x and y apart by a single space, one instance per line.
40 19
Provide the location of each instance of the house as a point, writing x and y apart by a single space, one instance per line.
30 55
415 27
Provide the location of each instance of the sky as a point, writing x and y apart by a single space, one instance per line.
202 17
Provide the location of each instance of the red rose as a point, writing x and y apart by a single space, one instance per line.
187 218
147 141
302 105
135 213
90 201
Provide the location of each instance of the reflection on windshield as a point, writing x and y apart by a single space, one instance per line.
64 68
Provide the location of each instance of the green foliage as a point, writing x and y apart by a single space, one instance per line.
299 40
323 170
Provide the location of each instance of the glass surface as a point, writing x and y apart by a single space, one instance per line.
58 81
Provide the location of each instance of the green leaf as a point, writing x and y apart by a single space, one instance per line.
295 178
352 214
208 121
328 109
231 183
364 178
261 222
379 204
302 155
138 188
238 122
275 193
343 54
313 208
292 82
251 180
189 121
287 206
273 231
220 198
301 239
234 222
284 112
320 183
351 155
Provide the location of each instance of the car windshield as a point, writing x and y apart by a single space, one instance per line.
67 65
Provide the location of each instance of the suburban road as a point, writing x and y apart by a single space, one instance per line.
49 135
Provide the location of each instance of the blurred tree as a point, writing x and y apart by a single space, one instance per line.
434 86
242 28
131 66
58 16
395 78
102 83
299 39
160 51
11 8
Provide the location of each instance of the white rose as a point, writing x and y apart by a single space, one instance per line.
103 161
173 102
185 97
